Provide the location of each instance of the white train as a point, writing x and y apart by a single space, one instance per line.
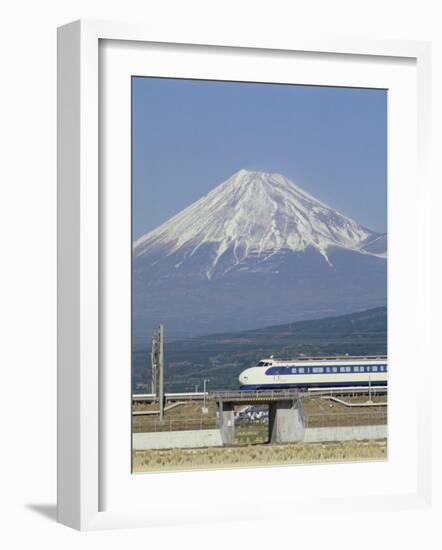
310 372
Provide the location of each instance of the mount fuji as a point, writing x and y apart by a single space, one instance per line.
257 250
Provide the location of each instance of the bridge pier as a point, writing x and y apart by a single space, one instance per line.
226 420
285 422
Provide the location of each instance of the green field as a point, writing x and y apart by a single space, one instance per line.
221 357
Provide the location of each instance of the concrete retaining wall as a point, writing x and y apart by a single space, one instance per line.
184 439
345 433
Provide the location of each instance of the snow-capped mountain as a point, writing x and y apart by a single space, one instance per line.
254 213
255 250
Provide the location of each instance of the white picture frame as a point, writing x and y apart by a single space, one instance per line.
80 396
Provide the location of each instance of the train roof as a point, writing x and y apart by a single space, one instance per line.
331 358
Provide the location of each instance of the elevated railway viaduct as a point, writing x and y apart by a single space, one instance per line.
286 415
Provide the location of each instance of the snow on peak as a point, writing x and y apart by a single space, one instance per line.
255 212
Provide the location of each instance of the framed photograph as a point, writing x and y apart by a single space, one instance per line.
231 320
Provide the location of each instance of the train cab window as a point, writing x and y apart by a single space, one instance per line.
261 364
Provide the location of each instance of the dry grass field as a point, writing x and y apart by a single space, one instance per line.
188 416
324 412
258 455
250 434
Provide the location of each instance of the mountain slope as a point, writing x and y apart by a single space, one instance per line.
256 250
221 357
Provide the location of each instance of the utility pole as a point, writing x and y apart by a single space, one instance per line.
161 365
154 362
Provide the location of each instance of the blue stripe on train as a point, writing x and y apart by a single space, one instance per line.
315 385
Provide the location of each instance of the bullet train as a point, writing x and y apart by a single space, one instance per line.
315 372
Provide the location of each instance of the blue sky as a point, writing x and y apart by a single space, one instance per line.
191 135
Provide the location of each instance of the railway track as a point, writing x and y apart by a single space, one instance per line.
263 396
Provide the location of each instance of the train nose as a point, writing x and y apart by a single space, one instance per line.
243 378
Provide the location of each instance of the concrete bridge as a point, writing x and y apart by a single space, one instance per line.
285 413
286 416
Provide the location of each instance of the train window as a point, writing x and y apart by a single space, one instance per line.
334 369
317 370
301 370
356 369
327 369
374 368
347 369
293 370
